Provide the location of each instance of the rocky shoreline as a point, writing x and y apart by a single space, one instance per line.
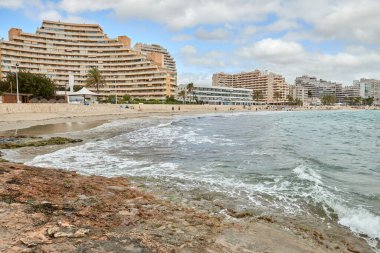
50 210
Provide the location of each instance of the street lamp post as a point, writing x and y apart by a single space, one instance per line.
18 98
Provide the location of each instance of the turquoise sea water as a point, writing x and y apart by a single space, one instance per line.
320 163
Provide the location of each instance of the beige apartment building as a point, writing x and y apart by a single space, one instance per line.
268 84
151 49
61 49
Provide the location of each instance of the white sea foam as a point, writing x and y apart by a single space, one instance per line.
112 157
357 219
309 174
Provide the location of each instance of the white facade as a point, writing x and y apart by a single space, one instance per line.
368 88
219 95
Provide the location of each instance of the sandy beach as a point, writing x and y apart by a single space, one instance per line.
51 210
19 116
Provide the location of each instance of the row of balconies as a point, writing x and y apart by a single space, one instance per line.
30 62
57 42
224 96
18 44
131 79
69 51
65 54
99 39
62 38
132 62
122 77
70 33
73 27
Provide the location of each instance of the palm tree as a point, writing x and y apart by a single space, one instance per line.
95 78
183 95
358 101
257 95
190 88
290 99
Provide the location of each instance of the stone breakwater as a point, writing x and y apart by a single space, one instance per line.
47 210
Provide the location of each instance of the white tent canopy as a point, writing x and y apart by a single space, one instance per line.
84 91
80 96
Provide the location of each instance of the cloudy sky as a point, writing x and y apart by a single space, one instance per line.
336 40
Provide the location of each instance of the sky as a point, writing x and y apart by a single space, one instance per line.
336 40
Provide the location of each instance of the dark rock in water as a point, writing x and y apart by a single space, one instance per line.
37 143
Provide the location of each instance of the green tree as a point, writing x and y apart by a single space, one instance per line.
368 101
290 99
111 99
328 100
4 87
298 102
182 94
357 101
171 100
36 84
127 98
190 89
257 95
95 78
77 87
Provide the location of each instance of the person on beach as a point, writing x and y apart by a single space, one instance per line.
173 108
179 108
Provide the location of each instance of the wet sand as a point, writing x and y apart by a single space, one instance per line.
54 128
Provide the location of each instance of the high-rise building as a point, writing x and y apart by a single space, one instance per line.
350 92
317 88
61 49
368 88
150 50
272 87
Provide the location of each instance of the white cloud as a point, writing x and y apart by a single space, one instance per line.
282 25
188 50
352 24
327 19
335 19
181 37
250 30
42 10
278 50
13 4
178 14
50 15
219 34
356 20
202 79
212 59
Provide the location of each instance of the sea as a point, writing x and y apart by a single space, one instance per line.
319 164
